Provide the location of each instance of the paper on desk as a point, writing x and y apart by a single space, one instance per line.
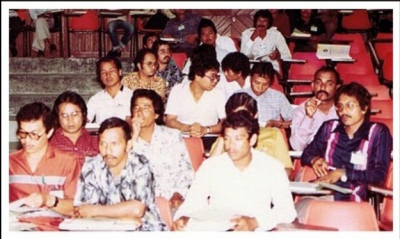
97 224
303 187
211 219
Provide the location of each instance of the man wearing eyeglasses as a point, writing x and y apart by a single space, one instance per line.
355 149
311 114
195 107
39 174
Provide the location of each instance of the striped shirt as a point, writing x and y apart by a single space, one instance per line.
373 140
57 171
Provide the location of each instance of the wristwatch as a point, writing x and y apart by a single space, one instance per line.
343 178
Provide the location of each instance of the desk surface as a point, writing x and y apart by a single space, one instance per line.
296 226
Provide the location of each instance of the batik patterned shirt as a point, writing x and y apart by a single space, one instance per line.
96 185
172 75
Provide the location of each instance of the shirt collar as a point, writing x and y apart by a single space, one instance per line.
362 132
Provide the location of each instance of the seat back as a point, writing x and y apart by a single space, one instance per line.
358 20
384 106
357 44
179 58
305 70
345 216
386 221
196 151
385 46
87 22
387 67
165 211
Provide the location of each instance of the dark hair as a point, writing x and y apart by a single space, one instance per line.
205 50
115 122
156 46
237 62
140 56
148 35
241 99
73 98
35 111
204 22
201 64
264 69
114 60
155 99
264 14
358 91
243 119
332 70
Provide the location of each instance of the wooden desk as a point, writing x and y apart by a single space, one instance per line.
296 226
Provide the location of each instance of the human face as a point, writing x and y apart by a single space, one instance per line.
325 86
109 74
238 143
30 145
262 23
209 80
305 13
259 84
208 36
70 118
113 148
150 41
164 54
143 108
349 111
149 65
231 76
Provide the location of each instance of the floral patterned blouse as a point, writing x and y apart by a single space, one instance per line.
133 82
96 185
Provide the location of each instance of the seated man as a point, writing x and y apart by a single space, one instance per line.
183 28
117 183
310 115
264 41
164 147
250 187
145 76
113 25
16 24
167 68
70 114
43 21
39 173
195 107
114 100
272 104
270 139
356 149
149 39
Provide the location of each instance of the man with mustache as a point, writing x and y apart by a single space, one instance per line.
264 40
117 183
167 68
309 116
351 152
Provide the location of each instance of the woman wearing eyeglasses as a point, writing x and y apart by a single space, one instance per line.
70 114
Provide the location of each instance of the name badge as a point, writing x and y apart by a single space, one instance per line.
57 193
314 28
358 158
181 27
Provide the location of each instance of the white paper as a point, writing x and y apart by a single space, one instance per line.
211 219
97 224
303 187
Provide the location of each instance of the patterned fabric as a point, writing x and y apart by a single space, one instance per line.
172 75
133 82
96 185
86 145
372 140
169 161
57 170
271 105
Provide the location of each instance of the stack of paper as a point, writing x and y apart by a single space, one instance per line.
304 187
333 51
298 33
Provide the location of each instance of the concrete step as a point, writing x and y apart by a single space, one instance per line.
27 65
53 83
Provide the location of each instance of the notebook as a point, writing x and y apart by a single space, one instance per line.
97 224
298 33
333 51
304 187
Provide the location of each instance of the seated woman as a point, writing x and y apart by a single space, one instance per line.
270 140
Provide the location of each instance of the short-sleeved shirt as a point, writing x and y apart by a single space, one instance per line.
207 111
133 82
103 106
56 171
135 182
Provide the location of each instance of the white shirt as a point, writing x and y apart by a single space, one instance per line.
248 193
226 43
303 128
273 40
207 111
229 88
103 106
169 161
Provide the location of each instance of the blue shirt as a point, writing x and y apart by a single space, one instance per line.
371 139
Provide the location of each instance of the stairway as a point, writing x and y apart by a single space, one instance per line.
43 79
